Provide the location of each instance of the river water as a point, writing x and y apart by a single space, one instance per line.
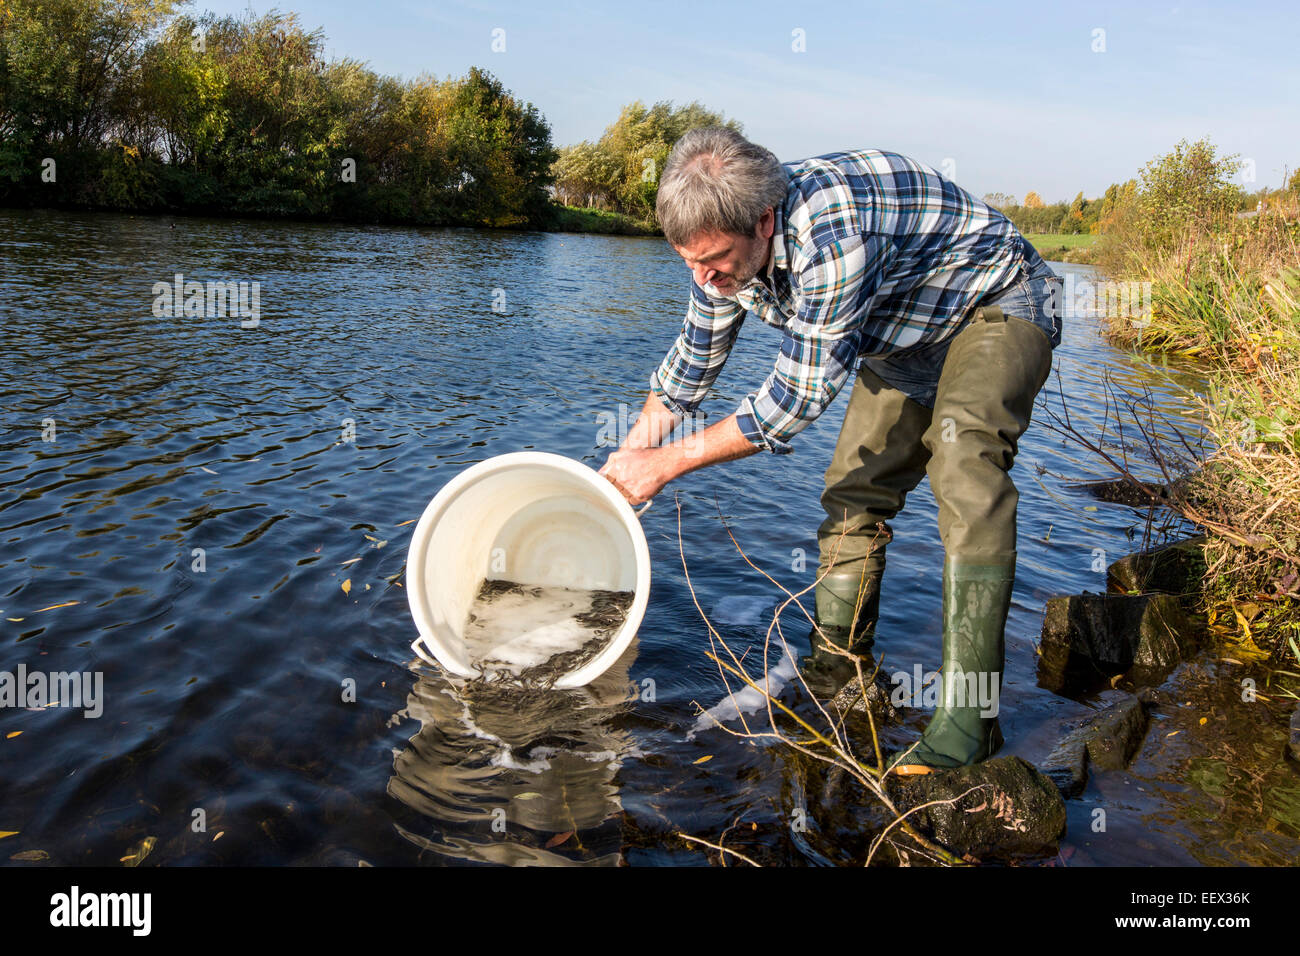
229 508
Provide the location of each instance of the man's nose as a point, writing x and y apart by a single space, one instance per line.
703 274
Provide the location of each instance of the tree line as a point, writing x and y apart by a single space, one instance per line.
126 104
1192 181
130 105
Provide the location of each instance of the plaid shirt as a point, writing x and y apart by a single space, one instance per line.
872 252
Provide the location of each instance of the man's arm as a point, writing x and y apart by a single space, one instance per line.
655 423
641 472
701 349
644 464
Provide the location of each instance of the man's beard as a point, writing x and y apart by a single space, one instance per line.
746 275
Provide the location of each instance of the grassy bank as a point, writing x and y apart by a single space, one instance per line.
1225 290
579 219
1064 246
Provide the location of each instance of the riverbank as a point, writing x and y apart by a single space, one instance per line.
1226 293
580 219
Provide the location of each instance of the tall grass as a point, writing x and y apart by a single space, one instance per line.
1226 291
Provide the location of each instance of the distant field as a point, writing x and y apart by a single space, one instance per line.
1060 240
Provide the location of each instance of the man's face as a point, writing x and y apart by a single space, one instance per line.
729 260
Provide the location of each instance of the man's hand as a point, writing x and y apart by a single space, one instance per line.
639 473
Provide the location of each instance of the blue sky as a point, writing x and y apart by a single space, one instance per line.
1005 97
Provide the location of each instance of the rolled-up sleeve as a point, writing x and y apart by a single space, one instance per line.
820 345
686 374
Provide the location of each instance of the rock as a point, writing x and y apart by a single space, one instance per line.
1293 745
1175 568
1123 492
1114 736
850 701
1107 739
1067 768
1088 639
1014 811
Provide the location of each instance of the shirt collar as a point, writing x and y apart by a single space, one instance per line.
778 260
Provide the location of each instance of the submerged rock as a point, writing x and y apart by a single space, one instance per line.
1175 568
850 700
1108 740
1000 808
1088 639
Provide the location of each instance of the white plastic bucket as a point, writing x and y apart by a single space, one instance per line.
557 523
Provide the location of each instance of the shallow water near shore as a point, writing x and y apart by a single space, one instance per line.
188 526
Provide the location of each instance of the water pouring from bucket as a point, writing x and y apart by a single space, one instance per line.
528 567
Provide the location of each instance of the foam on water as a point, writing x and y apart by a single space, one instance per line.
748 699
516 631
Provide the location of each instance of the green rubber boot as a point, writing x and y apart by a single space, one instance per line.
964 729
848 609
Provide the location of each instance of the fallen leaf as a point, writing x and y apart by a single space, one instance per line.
1245 626
207 469
369 538
1173 733
1203 720
12 735
703 759
1090 508
139 852
380 544
53 606
407 521
346 586
31 856
558 839
529 795
15 619
218 836
349 561
8 833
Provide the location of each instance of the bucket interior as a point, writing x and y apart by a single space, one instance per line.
535 526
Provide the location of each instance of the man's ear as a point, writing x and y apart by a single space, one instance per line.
766 224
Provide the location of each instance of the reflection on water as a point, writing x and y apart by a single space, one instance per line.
216 519
515 776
